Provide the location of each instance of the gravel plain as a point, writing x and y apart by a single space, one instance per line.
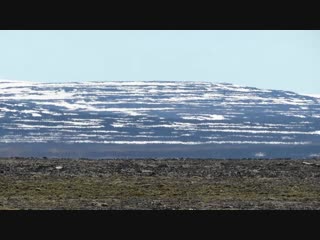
159 184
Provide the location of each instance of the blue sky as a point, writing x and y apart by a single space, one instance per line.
288 60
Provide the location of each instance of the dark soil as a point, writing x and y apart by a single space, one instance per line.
159 184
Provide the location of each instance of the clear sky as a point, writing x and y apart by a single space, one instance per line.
288 60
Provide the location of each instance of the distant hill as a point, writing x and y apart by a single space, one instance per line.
155 119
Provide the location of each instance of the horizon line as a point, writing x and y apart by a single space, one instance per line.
316 95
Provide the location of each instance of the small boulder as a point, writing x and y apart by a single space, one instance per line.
148 172
59 167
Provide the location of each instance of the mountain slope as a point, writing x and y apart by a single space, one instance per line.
185 116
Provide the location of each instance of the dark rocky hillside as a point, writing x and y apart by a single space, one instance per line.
155 119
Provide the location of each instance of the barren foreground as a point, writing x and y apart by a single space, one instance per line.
159 184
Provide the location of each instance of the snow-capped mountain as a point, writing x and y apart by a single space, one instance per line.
155 118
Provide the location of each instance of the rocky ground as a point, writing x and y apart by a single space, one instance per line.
159 184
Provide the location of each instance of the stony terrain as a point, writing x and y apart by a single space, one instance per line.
185 184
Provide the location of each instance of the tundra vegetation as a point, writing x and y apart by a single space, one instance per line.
159 184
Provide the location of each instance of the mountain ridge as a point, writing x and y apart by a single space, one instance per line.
155 113
158 81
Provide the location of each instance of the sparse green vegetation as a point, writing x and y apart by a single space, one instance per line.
152 184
